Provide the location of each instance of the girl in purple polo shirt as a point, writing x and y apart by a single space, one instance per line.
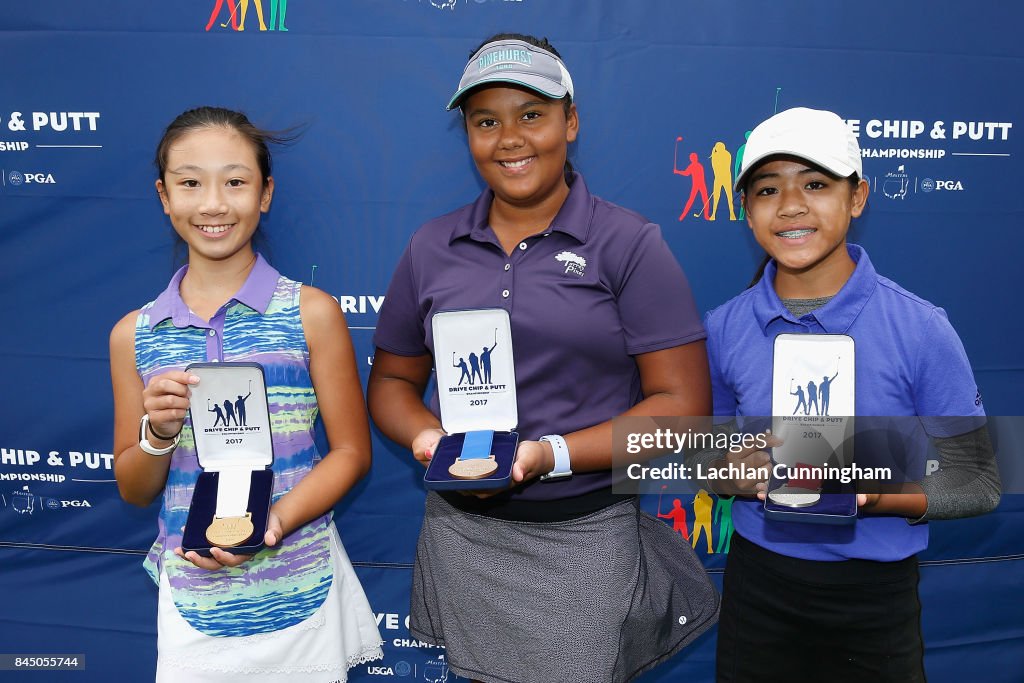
811 602
554 579
294 611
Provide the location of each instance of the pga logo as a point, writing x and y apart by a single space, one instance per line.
929 185
27 178
75 504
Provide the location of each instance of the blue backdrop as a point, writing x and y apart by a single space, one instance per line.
933 90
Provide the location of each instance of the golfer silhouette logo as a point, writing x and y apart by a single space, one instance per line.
817 396
230 411
478 370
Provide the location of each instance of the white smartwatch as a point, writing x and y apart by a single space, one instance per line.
145 445
561 451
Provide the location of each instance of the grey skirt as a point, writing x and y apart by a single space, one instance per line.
601 598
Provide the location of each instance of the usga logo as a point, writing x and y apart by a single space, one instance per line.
380 671
28 178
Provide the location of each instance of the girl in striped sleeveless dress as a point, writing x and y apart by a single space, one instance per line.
295 611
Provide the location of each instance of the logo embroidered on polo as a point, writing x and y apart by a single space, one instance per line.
574 263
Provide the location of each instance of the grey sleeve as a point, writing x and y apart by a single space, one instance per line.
967 481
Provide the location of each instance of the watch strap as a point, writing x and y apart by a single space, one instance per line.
561 451
145 430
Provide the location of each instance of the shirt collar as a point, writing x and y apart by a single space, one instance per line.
573 218
255 293
837 315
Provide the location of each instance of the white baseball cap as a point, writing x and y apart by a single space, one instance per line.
817 136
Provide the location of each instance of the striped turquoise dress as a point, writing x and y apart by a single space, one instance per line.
282 586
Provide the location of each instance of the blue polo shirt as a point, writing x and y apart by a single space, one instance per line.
585 296
909 361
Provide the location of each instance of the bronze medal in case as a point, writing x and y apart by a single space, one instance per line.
228 532
473 468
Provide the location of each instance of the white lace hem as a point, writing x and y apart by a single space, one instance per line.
231 643
369 654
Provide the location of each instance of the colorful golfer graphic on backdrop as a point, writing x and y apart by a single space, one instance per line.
722 169
708 510
725 166
235 12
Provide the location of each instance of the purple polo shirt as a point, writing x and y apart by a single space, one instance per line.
255 293
584 297
909 361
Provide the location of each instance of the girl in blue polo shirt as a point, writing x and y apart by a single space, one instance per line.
295 611
555 579
808 602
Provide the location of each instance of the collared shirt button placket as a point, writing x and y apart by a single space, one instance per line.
214 340
506 281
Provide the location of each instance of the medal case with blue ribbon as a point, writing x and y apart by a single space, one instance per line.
476 389
230 421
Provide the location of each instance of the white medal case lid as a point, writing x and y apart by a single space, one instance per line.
475 366
230 416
